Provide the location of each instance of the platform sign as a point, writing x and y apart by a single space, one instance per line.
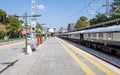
33 24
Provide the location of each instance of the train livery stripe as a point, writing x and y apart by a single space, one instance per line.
94 62
86 69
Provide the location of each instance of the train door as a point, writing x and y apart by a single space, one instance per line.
67 36
81 37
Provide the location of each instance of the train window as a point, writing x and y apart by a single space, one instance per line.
76 35
86 35
101 35
94 34
89 35
109 36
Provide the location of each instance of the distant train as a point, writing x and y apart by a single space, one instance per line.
103 38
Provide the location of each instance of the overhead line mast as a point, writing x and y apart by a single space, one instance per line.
107 5
107 8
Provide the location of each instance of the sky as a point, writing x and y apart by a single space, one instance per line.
55 13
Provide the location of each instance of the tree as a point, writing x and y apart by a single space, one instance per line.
13 26
39 28
2 16
99 18
116 6
21 21
115 9
10 25
3 29
82 22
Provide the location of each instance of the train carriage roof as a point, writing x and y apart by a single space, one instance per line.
115 28
76 32
109 26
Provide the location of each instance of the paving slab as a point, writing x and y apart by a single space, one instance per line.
49 59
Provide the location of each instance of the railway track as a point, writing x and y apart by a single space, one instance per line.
113 60
102 58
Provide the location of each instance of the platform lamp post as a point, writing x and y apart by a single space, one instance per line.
25 16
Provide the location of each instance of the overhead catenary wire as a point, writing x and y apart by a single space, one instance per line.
71 17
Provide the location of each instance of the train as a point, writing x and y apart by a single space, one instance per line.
105 38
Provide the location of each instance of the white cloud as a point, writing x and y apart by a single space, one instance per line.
41 7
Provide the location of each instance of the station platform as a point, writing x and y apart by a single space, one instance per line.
57 57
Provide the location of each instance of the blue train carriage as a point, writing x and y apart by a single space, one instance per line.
105 38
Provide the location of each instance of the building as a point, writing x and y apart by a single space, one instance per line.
52 32
71 27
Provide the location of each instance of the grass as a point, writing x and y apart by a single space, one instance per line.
2 40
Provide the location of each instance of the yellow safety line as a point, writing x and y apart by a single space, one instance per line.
94 62
86 69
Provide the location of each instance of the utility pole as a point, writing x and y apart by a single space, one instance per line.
26 42
107 5
26 33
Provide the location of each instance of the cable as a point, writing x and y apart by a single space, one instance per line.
82 9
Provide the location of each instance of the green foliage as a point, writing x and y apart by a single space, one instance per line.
13 24
115 4
2 12
114 16
3 30
99 18
21 21
10 25
116 8
82 22
39 28
2 16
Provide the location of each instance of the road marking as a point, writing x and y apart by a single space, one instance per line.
9 45
86 69
94 62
